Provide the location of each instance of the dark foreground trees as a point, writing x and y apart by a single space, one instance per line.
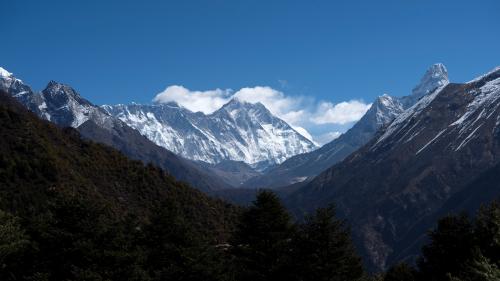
460 249
261 244
267 246
322 249
75 239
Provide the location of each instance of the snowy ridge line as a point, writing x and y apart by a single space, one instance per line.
496 69
400 123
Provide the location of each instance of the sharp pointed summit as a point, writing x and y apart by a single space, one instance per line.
435 77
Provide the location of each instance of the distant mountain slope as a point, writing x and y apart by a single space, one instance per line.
481 191
405 175
232 172
62 105
39 161
239 131
384 109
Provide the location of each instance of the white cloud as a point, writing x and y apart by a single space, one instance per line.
204 101
301 112
340 113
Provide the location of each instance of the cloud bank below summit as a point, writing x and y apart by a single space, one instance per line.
306 114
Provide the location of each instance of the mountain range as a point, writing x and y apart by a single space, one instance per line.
408 161
384 109
238 131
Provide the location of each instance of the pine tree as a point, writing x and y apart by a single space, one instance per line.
451 246
261 243
323 249
487 231
175 251
401 272
13 244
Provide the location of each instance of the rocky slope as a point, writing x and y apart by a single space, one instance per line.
384 109
393 186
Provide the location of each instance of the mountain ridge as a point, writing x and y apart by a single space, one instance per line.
384 109
391 187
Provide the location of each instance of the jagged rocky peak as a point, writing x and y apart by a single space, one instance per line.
68 108
238 108
436 76
22 92
385 101
385 109
236 103
62 92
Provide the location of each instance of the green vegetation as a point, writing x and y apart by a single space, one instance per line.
76 210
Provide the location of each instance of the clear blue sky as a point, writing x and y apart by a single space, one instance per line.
123 51
119 51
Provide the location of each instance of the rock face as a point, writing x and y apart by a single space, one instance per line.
384 109
63 106
239 131
394 187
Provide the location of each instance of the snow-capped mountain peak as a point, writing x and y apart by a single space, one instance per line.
481 98
57 90
239 131
385 108
238 104
68 108
22 92
239 109
4 72
436 76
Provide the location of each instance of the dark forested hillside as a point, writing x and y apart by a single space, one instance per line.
72 208
38 158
